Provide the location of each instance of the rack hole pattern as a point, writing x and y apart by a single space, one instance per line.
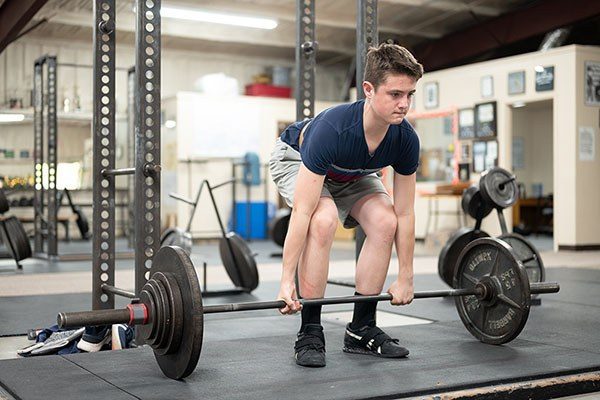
104 154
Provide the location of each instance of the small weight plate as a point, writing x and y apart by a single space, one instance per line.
4 205
278 226
496 188
500 318
239 261
182 361
172 338
451 250
528 255
471 203
177 237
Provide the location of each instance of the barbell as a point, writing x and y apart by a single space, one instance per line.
492 295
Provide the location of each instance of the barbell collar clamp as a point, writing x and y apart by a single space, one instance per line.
138 314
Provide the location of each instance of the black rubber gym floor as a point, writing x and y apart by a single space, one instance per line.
249 355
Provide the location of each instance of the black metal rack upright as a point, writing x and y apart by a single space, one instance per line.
367 35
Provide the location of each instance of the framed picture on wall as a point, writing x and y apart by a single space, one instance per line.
544 78
592 83
487 86
465 152
466 123
479 149
431 95
491 154
464 172
516 82
485 120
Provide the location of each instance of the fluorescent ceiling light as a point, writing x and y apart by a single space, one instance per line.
519 104
11 117
217 18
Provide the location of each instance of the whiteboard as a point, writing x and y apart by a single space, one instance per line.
219 126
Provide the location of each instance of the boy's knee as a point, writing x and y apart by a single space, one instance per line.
323 226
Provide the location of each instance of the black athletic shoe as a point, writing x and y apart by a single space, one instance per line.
372 340
309 349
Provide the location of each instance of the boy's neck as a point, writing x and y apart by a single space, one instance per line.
373 125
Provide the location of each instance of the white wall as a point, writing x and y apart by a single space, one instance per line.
586 205
576 194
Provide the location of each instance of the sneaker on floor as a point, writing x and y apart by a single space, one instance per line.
94 338
121 336
372 340
309 349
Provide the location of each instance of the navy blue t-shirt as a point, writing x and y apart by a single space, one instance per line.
334 145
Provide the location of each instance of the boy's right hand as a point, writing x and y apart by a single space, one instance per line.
287 293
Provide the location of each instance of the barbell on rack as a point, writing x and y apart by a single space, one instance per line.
492 295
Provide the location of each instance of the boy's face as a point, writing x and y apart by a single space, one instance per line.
391 100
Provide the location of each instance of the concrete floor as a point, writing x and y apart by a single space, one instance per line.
40 277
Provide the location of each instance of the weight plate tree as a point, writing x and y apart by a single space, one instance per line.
498 187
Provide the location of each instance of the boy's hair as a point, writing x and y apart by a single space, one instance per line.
390 59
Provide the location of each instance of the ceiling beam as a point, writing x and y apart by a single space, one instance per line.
283 12
448 5
14 15
540 18
211 32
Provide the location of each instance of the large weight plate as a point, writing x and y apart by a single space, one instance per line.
500 319
4 206
15 238
496 190
528 255
451 250
278 226
177 237
472 203
175 264
239 261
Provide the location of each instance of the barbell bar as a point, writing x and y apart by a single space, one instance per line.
492 295
124 315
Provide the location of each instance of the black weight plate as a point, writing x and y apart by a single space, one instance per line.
182 360
278 226
241 265
82 223
471 203
16 239
451 250
496 190
177 237
528 255
4 205
500 319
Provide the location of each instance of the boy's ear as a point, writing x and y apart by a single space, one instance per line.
368 89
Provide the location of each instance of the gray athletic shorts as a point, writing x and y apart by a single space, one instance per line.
284 166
